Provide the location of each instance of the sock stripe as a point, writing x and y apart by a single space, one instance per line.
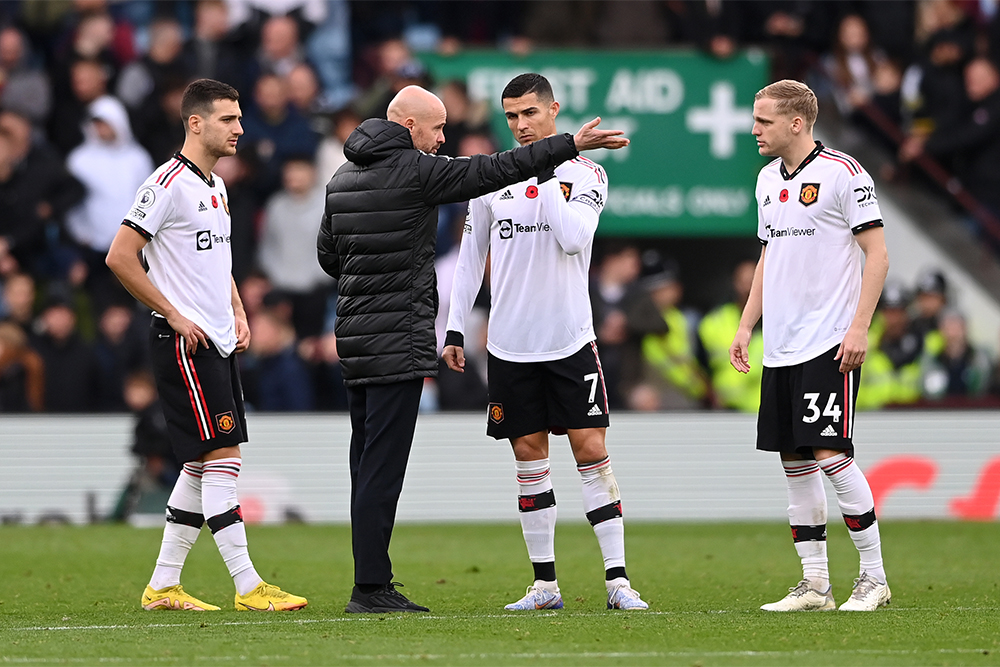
532 477
192 470
801 470
223 467
590 467
235 472
837 466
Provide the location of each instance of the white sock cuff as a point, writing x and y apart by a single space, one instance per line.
533 474
799 468
229 466
595 468
836 463
186 494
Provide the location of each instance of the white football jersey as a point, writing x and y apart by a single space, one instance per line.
812 263
540 238
185 218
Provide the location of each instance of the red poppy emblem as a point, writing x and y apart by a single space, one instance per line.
215 202
783 197
531 192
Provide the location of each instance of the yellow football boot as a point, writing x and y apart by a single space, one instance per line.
269 598
173 598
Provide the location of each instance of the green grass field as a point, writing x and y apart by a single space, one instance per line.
70 595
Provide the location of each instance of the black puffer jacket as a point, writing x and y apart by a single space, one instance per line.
378 236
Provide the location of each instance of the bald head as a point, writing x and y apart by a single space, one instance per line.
422 113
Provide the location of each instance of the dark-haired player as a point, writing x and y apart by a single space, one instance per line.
818 219
543 372
180 226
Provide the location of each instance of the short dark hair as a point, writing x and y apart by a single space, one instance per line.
522 84
199 97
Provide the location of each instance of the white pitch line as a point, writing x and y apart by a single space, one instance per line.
451 617
206 658
584 655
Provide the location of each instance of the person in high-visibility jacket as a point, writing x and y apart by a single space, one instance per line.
732 389
671 356
892 368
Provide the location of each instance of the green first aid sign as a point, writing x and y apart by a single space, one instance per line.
692 164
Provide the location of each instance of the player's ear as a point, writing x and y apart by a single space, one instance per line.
554 108
797 124
194 123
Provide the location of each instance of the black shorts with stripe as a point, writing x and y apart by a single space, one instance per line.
528 397
807 405
201 394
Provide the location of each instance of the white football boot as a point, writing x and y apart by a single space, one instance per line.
538 597
868 595
623 596
803 598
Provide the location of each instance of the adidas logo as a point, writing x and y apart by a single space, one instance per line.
595 412
829 431
506 195
767 200
202 207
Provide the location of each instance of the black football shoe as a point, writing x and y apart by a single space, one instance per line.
385 600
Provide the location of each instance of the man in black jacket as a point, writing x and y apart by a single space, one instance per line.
377 239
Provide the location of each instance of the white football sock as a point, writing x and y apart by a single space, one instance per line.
537 505
222 510
858 507
184 521
807 514
602 504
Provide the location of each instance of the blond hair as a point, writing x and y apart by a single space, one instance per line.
792 98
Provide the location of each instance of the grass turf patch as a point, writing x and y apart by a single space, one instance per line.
70 595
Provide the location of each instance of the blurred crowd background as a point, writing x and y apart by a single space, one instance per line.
89 105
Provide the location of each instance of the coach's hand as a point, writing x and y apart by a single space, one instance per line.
242 335
192 333
739 357
853 350
589 137
454 356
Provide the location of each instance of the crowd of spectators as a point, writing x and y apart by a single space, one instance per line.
89 104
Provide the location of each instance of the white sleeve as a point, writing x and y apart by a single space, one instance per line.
573 222
471 264
861 209
151 211
761 225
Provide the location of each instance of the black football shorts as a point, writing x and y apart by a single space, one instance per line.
807 405
554 396
201 394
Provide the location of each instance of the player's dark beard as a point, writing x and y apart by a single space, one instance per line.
220 149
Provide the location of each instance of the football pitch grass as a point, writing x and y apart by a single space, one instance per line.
70 595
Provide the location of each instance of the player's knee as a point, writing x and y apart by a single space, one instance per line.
530 448
588 445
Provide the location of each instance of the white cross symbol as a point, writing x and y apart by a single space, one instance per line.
721 119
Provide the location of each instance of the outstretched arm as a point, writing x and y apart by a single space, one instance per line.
444 180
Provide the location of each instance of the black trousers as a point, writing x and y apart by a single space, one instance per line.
383 417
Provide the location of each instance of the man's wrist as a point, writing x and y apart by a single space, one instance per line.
454 338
